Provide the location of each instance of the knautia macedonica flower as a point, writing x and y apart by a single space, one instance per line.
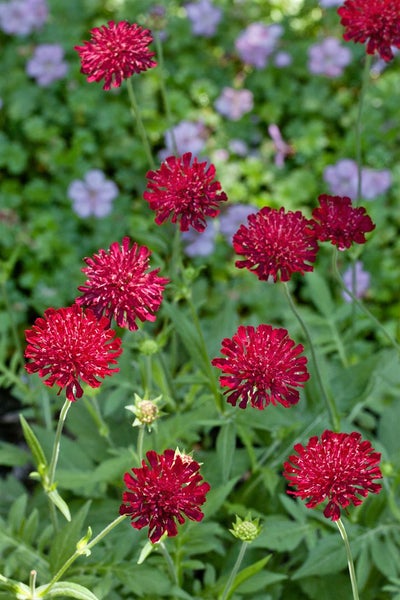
262 366
164 492
68 345
118 284
185 190
339 467
115 52
337 221
276 244
376 22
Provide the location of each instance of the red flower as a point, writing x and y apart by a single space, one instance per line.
376 22
337 221
186 190
163 492
67 345
118 285
115 52
276 243
262 367
340 467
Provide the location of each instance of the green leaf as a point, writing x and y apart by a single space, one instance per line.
217 496
68 589
34 444
385 556
247 573
280 533
226 444
59 503
12 456
64 543
320 294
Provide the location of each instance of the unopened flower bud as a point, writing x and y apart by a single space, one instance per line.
246 529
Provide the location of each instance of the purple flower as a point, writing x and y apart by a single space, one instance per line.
200 243
204 17
93 195
282 149
21 17
329 3
189 136
328 58
234 216
257 42
238 147
47 64
233 104
342 180
362 281
282 59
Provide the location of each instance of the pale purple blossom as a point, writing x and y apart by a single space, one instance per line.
189 136
21 17
342 180
93 195
204 17
328 58
257 42
200 243
282 148
362 280
238 147
329 3
232 217
233 104
47 64
282 59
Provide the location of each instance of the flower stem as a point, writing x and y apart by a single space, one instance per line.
234 572
365 80
329 401
349 559
140 443
163 90
57 440
170 564
142 131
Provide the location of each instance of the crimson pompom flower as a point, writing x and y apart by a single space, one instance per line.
376 22
184 189
276 244
115 52
118 285
166 490
69 344
262 366
339 468
337 221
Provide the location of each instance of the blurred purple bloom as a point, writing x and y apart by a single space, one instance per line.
200 243
232 217
233 104
282 59
362 281
329 3
204 17
380 65
282 149
93 195
238 147
328 58
21 17
257 42
47 64
342 180
190 136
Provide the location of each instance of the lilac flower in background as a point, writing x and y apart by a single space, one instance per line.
232 217
21 17
233 104
380 65
329 3
93 195
47 64
362 281
282 59
238 147
190 136
204 17
342 180
257 42
328 58
200 243
282 148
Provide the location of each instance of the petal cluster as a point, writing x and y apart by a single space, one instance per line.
337 221
339 467
185 190
163 492
118 284
376 22
115 52
68 345
262 366
276 244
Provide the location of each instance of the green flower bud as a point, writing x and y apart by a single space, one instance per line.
247 529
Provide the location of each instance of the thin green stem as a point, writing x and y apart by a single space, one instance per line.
32 582
329 401
163 90
93 409
141 128
140 442
170 563
234 572
349 559
358 133
57 440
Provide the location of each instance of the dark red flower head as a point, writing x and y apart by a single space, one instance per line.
68 345
185 189
118 285
340 468
276 244
337 221
115 52
376 22
166 490
262 366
